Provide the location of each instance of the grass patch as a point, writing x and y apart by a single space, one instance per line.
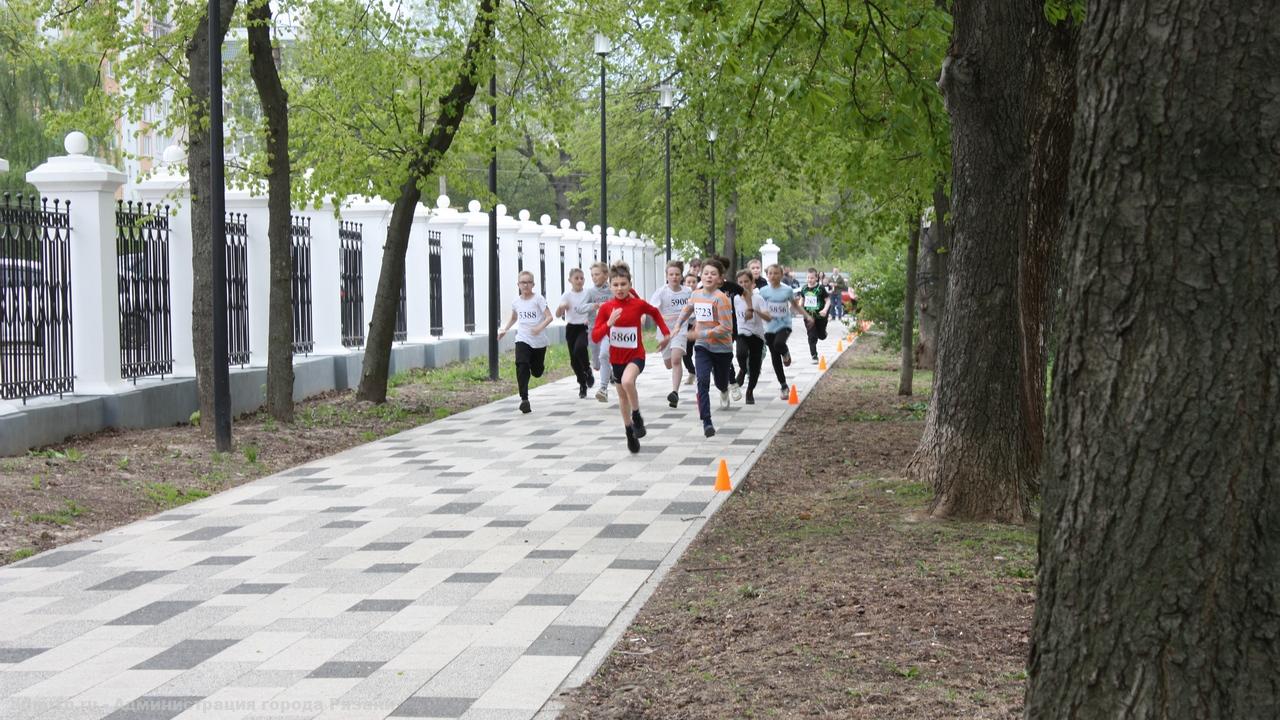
21 554
169 496
69 512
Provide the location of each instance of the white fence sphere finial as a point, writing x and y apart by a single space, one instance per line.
442 202
173 155
524 216
611 231
564 223
474 206
582 226
545 219
502 209
77 143
595 229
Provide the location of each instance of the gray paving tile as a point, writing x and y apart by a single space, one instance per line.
621 531
448 533
375 605
223 560
565 640
346 669
155 613
13 655
130 580
255 588
207 533
547 599
384 546
594 467
300 472
507 523
154 707
391 567
533 485
343 509
570 507
454 491
472 577
550 554
256 501
175 517
185 655
325 487
684 508
433 707
343 524
456 508
626 493
52 559
634 565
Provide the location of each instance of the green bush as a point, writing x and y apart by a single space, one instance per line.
880 279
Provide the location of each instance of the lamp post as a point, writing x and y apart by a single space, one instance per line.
711 140
218 238
603 47
493 225
666 99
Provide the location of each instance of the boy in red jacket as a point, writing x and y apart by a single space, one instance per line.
621 319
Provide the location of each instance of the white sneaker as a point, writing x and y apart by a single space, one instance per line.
688 379
603 394
735 391
724 400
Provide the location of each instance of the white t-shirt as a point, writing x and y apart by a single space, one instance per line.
670 303
574 299
529 314
754 326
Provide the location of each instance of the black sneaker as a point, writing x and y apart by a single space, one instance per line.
524 407
709 430
750 398
633 443
582 390
673 398
815 358
637 424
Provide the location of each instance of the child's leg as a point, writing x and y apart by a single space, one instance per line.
688 357
624 398
606 374
677 368
813 339
537 361
576 338
775 356
522 369
755 358
702 362
742 348
722 366
628 386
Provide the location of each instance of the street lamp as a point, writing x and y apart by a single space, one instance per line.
711 139
603 47
218 237
667 100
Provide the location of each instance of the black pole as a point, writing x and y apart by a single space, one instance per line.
604 175
218 238
712 246
493 226
668 184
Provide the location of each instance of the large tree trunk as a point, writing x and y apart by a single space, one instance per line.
1159 588
1051 101
909 310
931 291
275 107
731 233
453 106
976 451
200 173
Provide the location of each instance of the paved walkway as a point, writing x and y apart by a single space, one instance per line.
468 568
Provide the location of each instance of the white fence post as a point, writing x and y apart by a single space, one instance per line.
769 253
167 186
507 227
449 222
551 236
89 184
326 281
254 208
417 281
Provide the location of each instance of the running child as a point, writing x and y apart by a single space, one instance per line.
531 316
670 300
713 340
598 349
621 319
817 306
576 333
780 299
691 282
751 312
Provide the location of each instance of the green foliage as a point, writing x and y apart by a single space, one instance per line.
879 279
1057 11
251 454
63 517
167 496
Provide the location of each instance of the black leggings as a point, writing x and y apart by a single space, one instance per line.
688 357
576 337
777 344
750 358
817 331
529 361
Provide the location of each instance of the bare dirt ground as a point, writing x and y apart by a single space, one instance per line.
90 484
819 590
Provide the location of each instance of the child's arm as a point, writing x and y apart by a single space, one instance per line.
510 321
600 329
724 320
760 309
653 312
546 320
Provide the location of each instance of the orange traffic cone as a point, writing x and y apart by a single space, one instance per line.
822 362
839 346
794 398
722 478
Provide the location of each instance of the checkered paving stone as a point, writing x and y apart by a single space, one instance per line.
462 569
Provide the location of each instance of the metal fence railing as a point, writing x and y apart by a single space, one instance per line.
300 284
468 283
435 276
542 268
142 283
35 298
402 325
351 261
237 234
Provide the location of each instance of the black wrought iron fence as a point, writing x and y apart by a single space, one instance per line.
402 326
300 284
434 278
468 283
519 255
35 298
351 259
542 268
237 289
142 283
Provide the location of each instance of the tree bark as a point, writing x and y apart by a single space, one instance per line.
909 311
1050 78
275 108
975 451
200 174
1159 587
931 291
453 106
731 232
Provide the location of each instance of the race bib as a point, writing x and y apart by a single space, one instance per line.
778 309
810 302
624 337
703 312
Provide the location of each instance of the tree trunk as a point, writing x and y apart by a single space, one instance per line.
909 311
931 292
275 108
975 451
731 233
200 173
453 106
1050 78
1159 587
